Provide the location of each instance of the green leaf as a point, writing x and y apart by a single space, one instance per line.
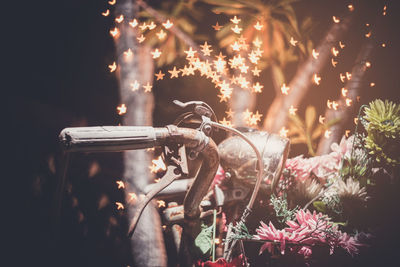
227 3
310 117
203 240
320 206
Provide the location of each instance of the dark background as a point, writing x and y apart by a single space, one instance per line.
58 55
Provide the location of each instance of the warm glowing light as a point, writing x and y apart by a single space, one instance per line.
347 133
292 110
120 206
236 29
128 55
119 19
316 79
355 120
293 41
257 88
256 71
258 26
135 85
112 67
161 34
217 27
158 165
372 84
350 7
235 20
348 75
367 64
147 87
120 184
152 25
157 180
321 119
243 68
315 54
342 77
335 52
143 27
226 122
190 53
335 105
329 104
168 24
344 91
368 34
285 89
159 75
141 38
161 203
121 109
334 63
327 133
114 32
156 53
106 13
112 2
133 23
348 102
205 48
283 132
257 43
236 46
174 73
217 241
230 113
335 19
383 45
341 45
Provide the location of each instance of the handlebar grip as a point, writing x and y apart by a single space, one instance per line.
107 138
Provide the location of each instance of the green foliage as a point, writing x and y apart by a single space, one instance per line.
282 211
383 131
203 241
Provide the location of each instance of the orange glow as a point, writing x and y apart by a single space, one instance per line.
344 92
342 45
329 104
372 84
161 34
292 110
106 13
205 48
350 7
128 55
257 88
367 64
168 24
120 206
158 165
121 109
161 203
217 27
285 89
355 120
112 2
235 20
258 26
348 102
132 197
348 75
174 73
190 53
159 75
347 133
335 105
383 45
335 19
293 41
283 132
147 87
119 19
315 54
156 53
257 43
120 184
152 25
334 63
236 46
236 29
133 23
335 52
342 77
256 71
112 67
368 34
226 122
317 79
114 32
230 113
321 119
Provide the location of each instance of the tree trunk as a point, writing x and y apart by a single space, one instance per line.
277 114
344 112
147 242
